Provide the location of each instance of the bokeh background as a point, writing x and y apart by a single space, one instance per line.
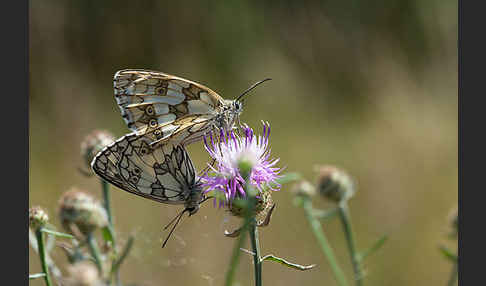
369 86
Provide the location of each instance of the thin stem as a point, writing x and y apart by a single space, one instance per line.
255 244
107 200
326 248
107 205
42 254
95 252
453 277
345 217
235 257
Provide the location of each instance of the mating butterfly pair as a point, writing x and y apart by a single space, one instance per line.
165 113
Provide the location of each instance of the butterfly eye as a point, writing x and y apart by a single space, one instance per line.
136 171
149 110
153 122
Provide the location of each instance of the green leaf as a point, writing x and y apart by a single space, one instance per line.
284 262
377 245
55 233
37 275
107 234
448 253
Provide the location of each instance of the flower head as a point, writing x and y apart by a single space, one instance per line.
82 210
93 143
37 217
453 219
83 273
334 184
240 159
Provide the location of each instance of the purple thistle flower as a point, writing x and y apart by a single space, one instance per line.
228 151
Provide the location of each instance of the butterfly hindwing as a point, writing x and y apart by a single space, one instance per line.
164 174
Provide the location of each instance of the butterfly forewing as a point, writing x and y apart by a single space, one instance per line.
164 174
167 108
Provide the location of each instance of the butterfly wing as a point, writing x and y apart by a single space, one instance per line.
152 100
164 174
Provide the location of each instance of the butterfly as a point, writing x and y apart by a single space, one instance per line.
164 173
165 108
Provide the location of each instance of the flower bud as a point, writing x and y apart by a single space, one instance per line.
304 188
94 143
453 223
83 273
334 184
82 210
37 217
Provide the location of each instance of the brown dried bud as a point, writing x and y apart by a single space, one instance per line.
82 210
453 223
94 143
334 184
83 273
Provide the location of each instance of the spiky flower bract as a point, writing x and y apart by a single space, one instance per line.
239 156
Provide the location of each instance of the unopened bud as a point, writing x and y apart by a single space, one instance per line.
94 143
304 188
334 184
37 217
82 210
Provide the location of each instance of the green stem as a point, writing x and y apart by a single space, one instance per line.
255 244
235 257
106 200
345 217
453 277
42 254
95 252
326 248
107 205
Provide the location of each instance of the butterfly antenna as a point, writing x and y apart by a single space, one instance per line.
251 87
174 219
178 217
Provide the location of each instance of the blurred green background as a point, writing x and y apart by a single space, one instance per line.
369 86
